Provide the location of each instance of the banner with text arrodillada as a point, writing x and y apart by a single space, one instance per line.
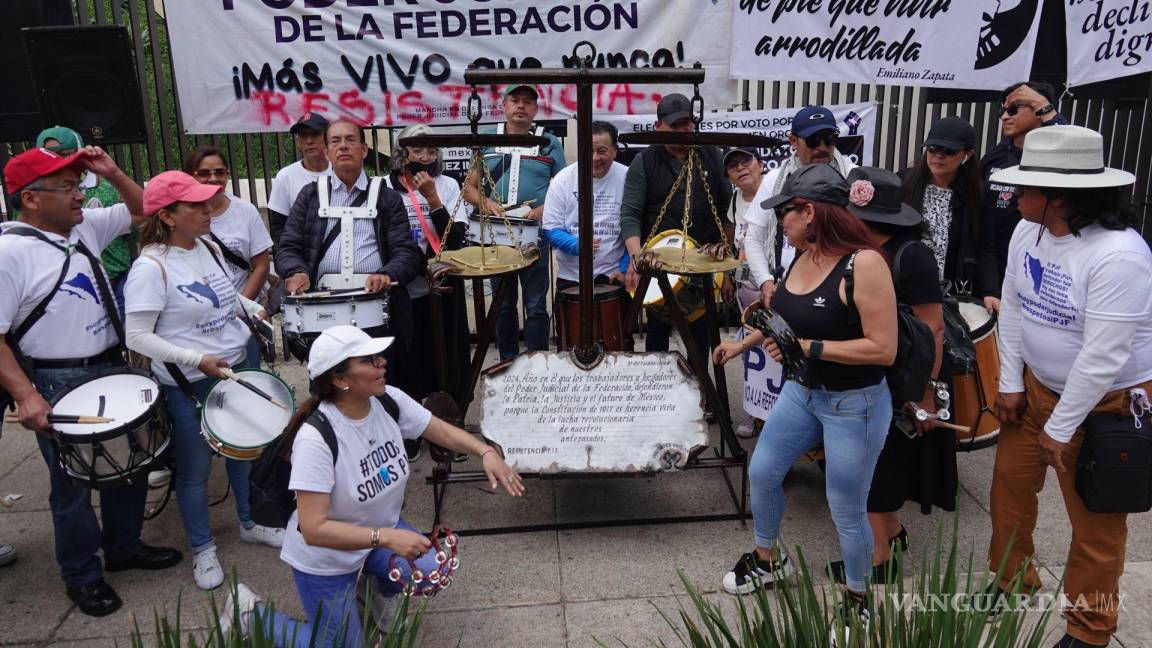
258 65
974 44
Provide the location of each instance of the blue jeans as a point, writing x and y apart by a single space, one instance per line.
534 282
78 534
194 465
853 425
330 602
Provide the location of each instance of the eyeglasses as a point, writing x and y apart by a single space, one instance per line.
204 174
68 188
828 138
783 210
940 150
1012 109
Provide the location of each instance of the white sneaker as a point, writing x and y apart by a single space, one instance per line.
747 430
159 478
852 614
751 573
239 606
270 536
206 570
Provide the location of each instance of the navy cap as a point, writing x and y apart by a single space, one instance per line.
815 182
310 120
813 119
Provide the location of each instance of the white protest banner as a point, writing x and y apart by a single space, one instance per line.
857 128
763 380
976 44
258 65
1107 39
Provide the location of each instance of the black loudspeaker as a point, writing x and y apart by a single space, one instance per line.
20 112
86 80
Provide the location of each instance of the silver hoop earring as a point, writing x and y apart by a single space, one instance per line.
345 388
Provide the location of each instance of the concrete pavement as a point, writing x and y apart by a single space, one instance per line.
543 589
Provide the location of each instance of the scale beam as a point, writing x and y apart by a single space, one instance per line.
672 138
544 76
473 140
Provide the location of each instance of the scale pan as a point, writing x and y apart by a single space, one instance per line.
472 141
487 261
700 139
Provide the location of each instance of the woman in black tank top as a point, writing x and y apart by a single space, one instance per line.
842 398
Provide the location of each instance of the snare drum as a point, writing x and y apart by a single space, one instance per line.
238 423
503 230
307 316
974 393
112 454
608 317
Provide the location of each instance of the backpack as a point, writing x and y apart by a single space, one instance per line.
908 376
271 500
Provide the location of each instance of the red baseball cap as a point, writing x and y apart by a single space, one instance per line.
33 164
175 186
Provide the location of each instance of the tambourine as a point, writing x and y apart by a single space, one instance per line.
765 320
446 544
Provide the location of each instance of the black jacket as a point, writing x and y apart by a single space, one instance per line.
961 263
299 249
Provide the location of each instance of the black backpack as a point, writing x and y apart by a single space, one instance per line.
908 376
271 500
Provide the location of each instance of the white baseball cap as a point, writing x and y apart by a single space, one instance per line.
337 344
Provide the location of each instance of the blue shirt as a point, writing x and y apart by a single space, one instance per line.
537 168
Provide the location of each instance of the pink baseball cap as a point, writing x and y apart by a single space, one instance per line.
33 164
175 186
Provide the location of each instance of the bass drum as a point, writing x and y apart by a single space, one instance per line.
974 393
608 321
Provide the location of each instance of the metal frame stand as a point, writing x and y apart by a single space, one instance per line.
728 454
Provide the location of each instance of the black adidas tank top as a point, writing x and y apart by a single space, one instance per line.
820 315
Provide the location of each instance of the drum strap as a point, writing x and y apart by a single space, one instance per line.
230 254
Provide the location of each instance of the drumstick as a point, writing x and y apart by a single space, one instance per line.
65 419
953 426
230 375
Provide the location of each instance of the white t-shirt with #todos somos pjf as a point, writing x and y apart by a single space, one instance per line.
196 301
75 324
366 484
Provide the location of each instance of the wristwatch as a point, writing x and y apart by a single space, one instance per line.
1047 108
815 349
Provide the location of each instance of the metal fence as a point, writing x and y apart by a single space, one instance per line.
904 116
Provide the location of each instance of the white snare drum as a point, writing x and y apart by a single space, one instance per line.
506 230
112 454
238 423
314 313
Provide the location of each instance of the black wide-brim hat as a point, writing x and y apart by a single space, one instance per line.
876 196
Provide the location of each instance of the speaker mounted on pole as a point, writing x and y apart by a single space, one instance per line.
86 79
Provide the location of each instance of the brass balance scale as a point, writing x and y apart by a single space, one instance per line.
659 262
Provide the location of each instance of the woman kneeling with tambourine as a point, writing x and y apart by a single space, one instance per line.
349 486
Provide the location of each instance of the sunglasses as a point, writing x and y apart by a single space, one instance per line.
1012 109
208 173
738 161
828 138
941 150
783 210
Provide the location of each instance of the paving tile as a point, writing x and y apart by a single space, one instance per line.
537 626
632 622
1135 625
31 592
504 570
16 446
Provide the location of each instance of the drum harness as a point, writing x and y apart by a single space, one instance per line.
345 218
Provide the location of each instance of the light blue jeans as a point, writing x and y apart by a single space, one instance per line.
194 465
853 425
330 603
